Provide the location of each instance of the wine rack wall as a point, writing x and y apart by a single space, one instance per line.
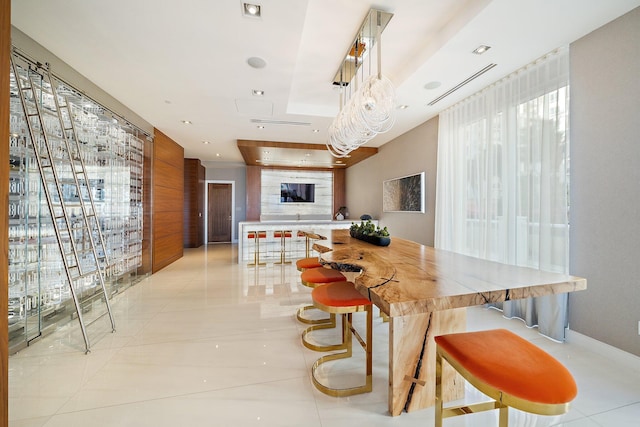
39 293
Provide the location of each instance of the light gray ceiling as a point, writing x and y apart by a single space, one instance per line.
171 60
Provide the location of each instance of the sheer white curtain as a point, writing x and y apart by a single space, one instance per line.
502 188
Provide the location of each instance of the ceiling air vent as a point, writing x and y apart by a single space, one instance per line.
462 83
279 122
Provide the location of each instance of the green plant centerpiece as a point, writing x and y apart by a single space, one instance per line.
368 232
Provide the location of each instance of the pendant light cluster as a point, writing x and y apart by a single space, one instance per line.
367 98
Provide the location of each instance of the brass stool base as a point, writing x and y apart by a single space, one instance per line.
328 325
302 319
347 331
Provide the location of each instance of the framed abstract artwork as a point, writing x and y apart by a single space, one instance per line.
404 194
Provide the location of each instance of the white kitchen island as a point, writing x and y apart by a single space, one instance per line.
270 246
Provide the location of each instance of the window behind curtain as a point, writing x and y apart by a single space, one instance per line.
503 173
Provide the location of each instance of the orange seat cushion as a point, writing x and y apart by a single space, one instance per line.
306 263
321 275
278 234
261 235
511 364
339 294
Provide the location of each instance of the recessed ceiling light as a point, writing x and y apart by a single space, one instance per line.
186 122
307 155
257 92
256 62
217 154
432 85
403 107
205 142
266 153
260 127
251 10
481 49
316 130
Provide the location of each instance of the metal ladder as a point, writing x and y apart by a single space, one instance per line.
67 190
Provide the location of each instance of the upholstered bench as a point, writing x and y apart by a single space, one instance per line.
343 298
507 368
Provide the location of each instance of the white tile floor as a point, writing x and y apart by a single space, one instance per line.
206 342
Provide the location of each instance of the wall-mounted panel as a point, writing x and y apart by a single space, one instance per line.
168 200
314 201
193 203
253 193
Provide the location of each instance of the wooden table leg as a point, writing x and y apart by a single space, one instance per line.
412 359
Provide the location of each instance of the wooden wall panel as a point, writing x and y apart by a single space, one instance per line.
5 48
168 200
168 222
339 189
167 249
168 150
165 175
253 193
202 178
193 203
164 199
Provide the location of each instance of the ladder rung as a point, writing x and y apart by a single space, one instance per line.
87 274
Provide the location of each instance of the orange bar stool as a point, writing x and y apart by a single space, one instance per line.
256 236
312 278
283 235
307 243
307 263
343 298
508 369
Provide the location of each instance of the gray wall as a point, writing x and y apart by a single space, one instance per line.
605 182
410 153
237 174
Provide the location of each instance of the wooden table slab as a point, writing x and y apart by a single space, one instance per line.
425 291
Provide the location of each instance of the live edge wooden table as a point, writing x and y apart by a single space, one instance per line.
425 292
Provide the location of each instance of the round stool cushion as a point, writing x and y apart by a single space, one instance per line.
511 364
321 275
306 263
339 294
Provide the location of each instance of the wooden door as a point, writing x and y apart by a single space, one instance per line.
219 213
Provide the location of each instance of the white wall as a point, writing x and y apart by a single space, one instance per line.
605 183
271 207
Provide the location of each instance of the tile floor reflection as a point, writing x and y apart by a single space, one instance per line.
208 342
